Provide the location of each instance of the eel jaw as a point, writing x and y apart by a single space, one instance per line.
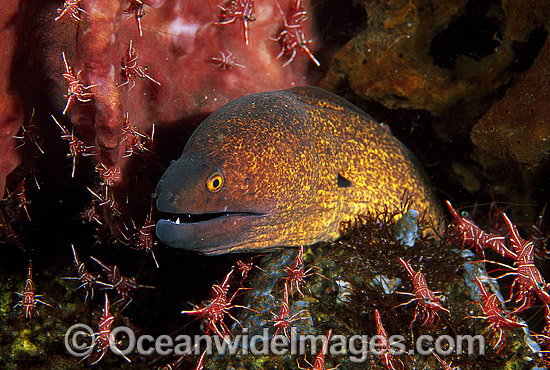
214 235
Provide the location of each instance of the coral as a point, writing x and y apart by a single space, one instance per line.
391 61
368 251
450 59
516 127
201 65
136 69
406 230
11 112
444 64
23 346
523 17
180 40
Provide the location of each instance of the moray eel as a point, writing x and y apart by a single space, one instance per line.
284 168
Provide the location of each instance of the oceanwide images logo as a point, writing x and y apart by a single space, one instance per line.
81 341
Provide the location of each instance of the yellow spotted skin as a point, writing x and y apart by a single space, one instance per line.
295 163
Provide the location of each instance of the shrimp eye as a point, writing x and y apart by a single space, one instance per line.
214 182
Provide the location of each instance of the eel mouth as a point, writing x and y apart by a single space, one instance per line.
207 233
191 218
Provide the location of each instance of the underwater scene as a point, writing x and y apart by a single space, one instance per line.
274 184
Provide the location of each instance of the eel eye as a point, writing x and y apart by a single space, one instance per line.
214 182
